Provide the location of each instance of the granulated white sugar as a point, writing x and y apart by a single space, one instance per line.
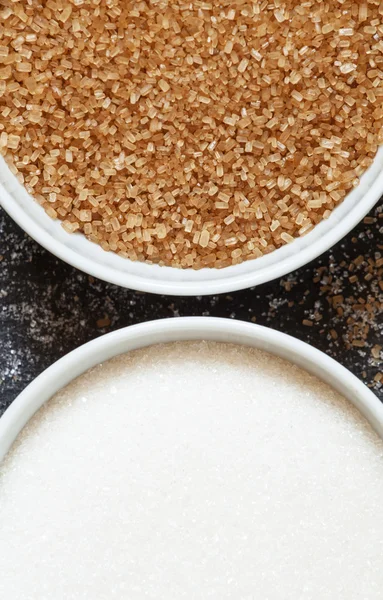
193 471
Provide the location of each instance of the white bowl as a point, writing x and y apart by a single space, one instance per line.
79 252
187 328
76 250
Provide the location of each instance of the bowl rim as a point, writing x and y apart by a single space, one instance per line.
73 364
155 279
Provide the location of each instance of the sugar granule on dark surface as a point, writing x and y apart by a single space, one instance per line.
47 308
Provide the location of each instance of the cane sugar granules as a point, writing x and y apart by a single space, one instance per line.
193 470
191 134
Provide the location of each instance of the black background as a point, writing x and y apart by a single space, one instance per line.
48 308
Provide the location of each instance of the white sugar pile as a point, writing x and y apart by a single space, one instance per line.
193 471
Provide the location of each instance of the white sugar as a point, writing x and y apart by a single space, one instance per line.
193 471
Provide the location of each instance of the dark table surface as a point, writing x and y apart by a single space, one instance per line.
48 308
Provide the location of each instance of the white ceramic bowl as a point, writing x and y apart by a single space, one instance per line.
76 250
187 328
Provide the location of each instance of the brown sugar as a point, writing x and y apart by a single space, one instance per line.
190 134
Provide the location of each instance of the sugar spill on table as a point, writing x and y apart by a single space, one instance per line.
48 308
193 470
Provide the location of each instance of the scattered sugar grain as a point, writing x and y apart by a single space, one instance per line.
193 470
